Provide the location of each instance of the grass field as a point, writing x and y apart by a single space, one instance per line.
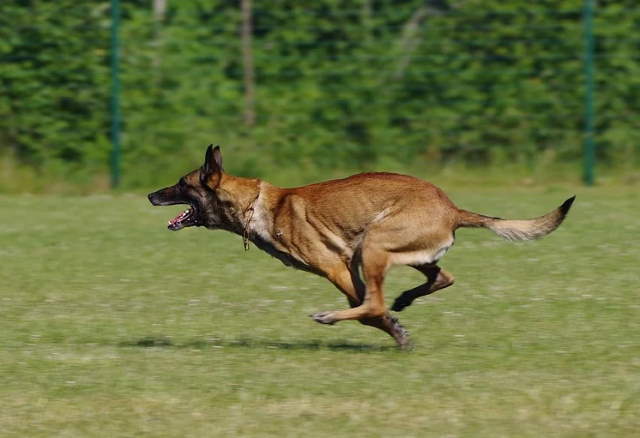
112 326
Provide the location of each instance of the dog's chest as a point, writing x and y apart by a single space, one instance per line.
266 236
286 258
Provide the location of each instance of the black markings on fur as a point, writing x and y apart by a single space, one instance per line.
566 205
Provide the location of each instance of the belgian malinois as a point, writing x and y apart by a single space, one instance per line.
335 229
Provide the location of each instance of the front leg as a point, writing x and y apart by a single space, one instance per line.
345 280
324 318
386 323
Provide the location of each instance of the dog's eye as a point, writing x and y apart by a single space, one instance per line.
182 182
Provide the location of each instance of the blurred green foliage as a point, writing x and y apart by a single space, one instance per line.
350 84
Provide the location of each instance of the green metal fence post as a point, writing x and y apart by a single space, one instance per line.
589 114
115 94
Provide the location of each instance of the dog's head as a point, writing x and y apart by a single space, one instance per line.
197 189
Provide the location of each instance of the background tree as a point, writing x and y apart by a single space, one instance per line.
354 84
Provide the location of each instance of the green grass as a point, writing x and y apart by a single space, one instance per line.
112 326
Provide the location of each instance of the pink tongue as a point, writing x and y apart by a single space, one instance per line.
175 219
179 217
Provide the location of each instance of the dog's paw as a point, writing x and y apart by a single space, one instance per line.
401 334
323 317
399 328
399 305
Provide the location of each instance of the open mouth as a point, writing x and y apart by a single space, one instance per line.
187 218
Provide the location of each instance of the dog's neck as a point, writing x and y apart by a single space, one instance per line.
240 194
247 217
260 217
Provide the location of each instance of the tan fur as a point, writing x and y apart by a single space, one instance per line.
369 221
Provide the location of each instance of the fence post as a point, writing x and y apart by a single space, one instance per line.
115 94
589 109
247 64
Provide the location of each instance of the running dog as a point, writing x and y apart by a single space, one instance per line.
336 229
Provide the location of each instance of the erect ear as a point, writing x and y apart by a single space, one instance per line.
212 160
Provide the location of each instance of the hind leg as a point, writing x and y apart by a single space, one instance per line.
437 278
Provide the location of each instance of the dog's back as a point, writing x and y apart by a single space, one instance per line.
366 199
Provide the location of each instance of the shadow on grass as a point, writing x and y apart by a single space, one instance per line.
201 344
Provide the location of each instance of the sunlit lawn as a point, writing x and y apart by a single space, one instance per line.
112 326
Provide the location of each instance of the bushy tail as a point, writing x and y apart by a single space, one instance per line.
527 229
